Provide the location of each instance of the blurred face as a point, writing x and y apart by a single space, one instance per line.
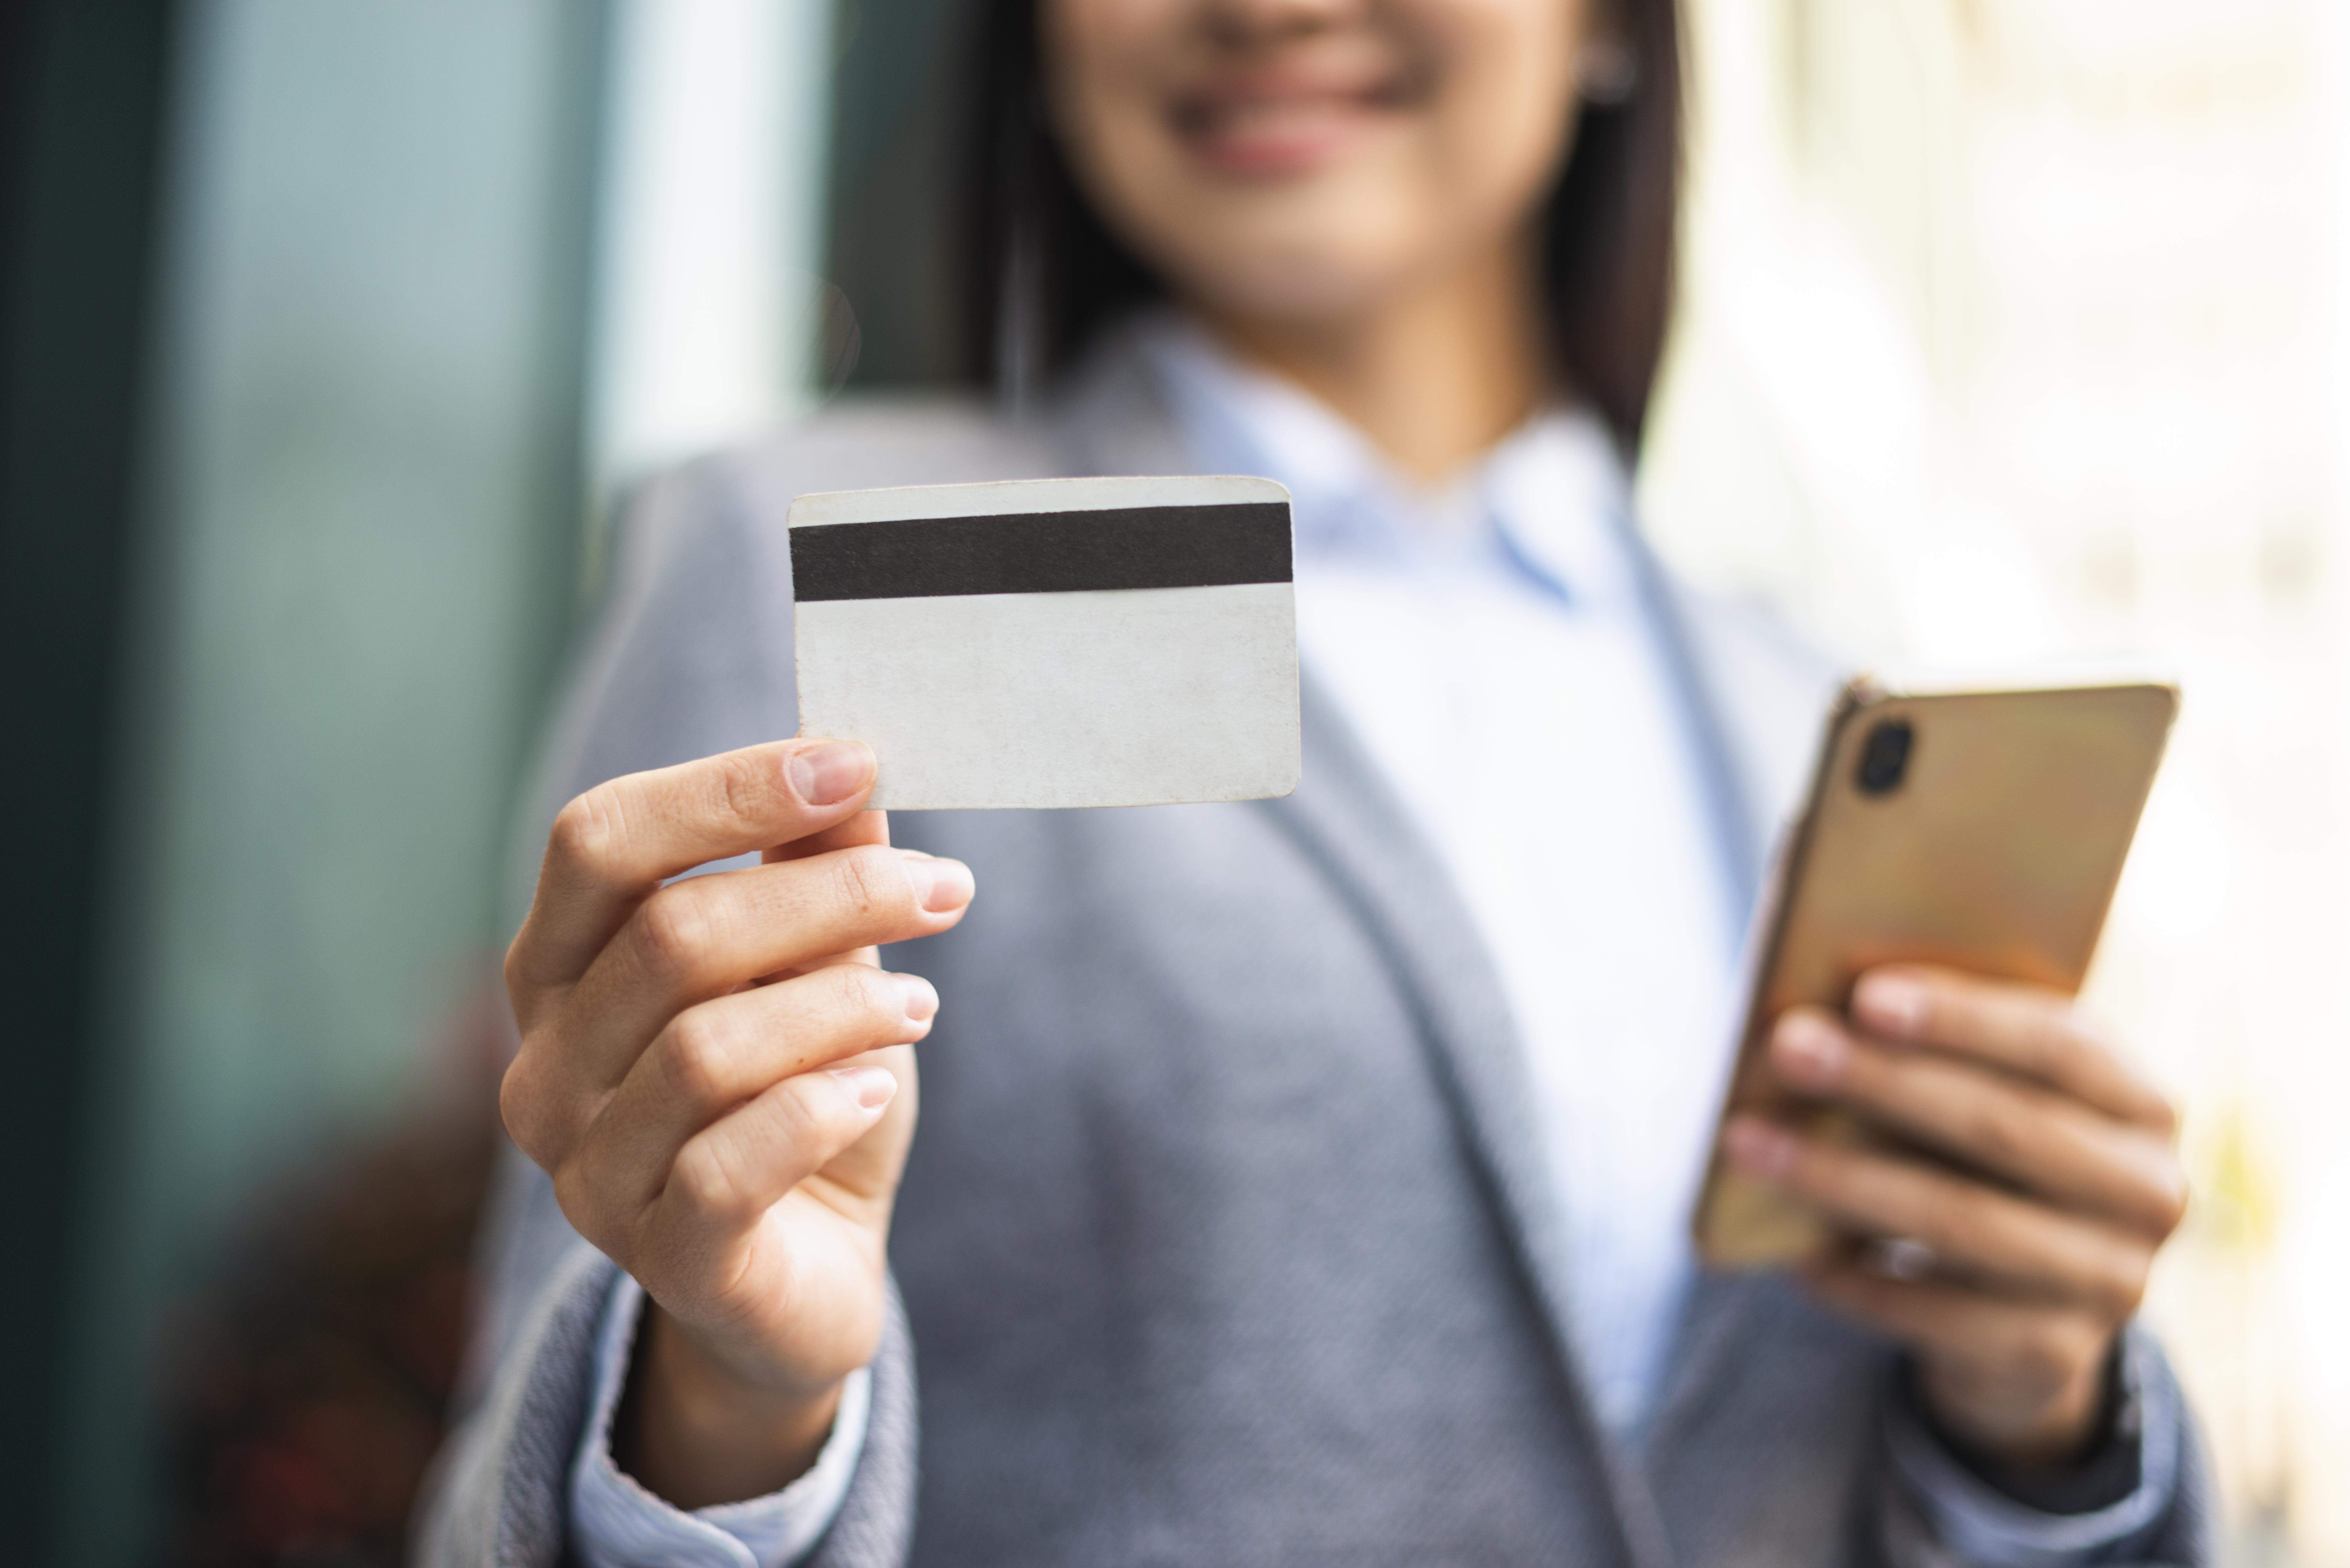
1300 160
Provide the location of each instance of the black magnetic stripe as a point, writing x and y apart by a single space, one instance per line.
1044 552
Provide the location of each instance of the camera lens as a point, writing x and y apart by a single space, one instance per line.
1885 756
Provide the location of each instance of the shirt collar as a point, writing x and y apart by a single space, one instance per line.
1547 501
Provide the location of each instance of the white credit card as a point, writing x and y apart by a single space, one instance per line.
1053 642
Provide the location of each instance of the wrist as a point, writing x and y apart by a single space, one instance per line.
696 1433
2051 1431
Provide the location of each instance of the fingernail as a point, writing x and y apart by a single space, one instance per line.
920 997
1810 1050
831 773
938 885
873 1087
1758 1149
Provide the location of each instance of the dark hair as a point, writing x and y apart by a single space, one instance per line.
1042 273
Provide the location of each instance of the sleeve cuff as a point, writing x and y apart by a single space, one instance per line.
1983 1525
616 1523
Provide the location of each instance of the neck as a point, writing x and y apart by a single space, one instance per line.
1433 377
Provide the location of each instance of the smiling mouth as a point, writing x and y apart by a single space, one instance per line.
1274 124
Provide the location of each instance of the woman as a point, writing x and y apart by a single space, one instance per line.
1305 1180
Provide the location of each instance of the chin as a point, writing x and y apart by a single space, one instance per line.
1298 261
1294 291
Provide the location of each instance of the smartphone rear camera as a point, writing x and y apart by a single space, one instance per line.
1885 756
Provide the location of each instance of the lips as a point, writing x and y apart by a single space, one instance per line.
1286 121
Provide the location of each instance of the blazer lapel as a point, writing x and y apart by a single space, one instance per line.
1754 697
1348 822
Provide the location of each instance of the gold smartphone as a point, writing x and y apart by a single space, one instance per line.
1984 830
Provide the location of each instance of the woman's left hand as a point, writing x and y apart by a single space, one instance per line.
2030 1268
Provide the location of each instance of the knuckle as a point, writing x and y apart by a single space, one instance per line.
520 1103
514 1107
799 1115
516 970
585 828
807 1119
707 1182
696 1059
1996 1133
744 789
871 884
673 931
860 990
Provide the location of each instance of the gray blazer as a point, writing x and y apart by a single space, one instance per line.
1225 1237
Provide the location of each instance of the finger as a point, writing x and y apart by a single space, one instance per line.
2044 1141
2027 1030
2044 1347
858 828
850 832
2010 1239
715 1057
612 847
708 936
738 1167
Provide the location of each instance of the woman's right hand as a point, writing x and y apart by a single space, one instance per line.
717 1075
